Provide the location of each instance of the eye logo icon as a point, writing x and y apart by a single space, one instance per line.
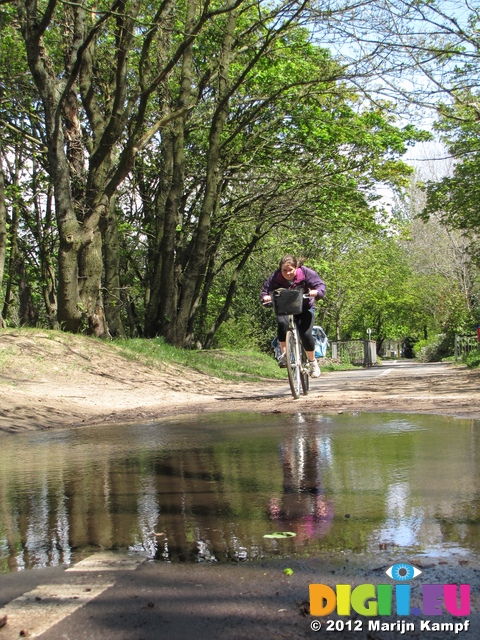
403 572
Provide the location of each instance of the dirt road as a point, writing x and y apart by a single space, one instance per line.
55 381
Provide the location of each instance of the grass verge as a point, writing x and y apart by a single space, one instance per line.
244 364
230 364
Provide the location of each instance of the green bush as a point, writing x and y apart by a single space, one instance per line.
433 349
472 360
236 333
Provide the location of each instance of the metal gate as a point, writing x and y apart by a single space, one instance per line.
358 351
465 344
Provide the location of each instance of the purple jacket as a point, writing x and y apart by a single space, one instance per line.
305 277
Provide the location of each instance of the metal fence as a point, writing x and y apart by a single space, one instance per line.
357 351
465 344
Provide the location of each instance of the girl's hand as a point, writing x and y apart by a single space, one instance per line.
313 293
266 299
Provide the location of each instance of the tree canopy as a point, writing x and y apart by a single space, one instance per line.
154 153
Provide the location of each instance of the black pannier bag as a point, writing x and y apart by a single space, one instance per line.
287 302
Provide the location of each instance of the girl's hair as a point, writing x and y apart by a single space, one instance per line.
290 260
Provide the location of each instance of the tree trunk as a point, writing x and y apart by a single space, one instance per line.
203 306
3 208
162 309
78 207
112 286
27 313
70 232
11 259
231 289
44 234
3 231
156 226
168 288
197 262
90 266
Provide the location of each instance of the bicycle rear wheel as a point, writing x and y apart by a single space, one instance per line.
293 364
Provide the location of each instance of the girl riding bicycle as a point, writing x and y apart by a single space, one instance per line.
289 275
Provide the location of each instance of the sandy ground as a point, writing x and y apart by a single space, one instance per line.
56 381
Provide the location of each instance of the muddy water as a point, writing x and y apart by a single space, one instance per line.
211 488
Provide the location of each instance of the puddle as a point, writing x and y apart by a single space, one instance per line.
210 489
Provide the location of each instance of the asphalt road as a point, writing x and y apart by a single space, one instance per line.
120 598
343 380
384 369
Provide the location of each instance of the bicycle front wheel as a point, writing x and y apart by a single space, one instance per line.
293 364
304 373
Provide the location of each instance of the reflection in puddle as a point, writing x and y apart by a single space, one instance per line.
210 488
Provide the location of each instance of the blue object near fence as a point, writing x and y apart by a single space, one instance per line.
321 342
276 347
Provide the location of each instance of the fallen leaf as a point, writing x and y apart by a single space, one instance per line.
304 607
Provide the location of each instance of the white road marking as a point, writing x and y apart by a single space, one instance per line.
107 561
35 612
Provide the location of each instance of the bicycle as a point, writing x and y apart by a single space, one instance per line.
288 302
